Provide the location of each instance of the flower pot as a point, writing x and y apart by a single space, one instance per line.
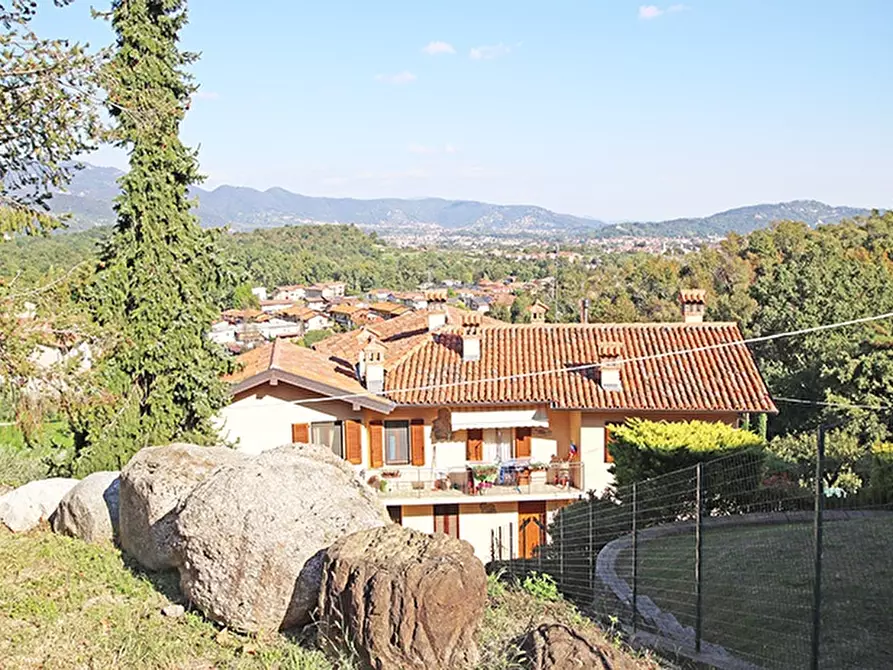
524 478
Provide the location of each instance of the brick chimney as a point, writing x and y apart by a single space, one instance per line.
471 336
610 355
538 312
371 365
437 316
694 301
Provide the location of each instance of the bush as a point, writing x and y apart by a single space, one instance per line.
880 481
19 466
648 449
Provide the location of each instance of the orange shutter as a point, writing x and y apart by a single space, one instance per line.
300 432
522 442
608 457
474 445
376 444
417 441
353 442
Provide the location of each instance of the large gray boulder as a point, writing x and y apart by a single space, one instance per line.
153 485
25 507
402 599
253 533
89 511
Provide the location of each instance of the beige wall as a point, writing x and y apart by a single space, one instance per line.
420 517
477 520
261 418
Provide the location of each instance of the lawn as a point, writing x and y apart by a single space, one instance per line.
758 590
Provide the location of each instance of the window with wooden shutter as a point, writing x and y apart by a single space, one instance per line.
608 457
417 441
474 444
353 449
300 432
522 442
376 444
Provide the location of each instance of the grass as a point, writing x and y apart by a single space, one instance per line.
758 590
20 463
513 611
66 604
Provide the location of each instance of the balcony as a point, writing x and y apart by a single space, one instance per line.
482 481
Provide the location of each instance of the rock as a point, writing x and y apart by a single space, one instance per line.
153 485
557 647
252 535
4 489
173 611
403 599
25 507
90 509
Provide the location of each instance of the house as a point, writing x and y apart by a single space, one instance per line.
282 327
309 319
380 295
259 292
412 299
479 303
342 313
241 315
272 306
327 290
450 413
387 310
293 292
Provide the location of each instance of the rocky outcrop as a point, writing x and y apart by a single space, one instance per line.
252 534
558 647
90 509
402 599
25 507
153 485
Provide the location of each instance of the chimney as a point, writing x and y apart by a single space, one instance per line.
694 301
584 310
371 365
436 313
471 336
538 312
610 355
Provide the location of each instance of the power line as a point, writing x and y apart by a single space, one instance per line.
840 405
593 366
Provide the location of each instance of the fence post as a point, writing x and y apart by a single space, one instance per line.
591 544
635 559
699 477
817 528
561 553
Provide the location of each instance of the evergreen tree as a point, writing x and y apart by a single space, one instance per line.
160 281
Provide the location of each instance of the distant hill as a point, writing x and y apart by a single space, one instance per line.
739 220
90 196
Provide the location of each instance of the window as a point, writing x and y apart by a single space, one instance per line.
396 442
446 520
608 426
396 514
329 434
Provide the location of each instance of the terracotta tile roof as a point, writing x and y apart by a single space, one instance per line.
399 335
300 312
722 379
294 359
389 308
344 308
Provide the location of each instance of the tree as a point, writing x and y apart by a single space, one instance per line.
48 115
161 280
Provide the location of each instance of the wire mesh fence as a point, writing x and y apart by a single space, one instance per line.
725 565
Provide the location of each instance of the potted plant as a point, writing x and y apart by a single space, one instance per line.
538 472
524 477
390 474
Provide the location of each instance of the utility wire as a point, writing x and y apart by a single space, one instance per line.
841 405
591 366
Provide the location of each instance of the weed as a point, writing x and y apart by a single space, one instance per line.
541 586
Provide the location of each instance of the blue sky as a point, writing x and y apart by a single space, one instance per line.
607 108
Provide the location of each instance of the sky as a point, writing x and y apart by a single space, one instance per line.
612 109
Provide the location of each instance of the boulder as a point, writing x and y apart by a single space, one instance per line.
554 646
252 535
153 485
23 508
403 599
90 509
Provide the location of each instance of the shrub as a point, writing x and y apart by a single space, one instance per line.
541 586
880 481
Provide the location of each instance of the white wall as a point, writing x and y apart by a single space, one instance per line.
596 476
420 518
262 418
477 520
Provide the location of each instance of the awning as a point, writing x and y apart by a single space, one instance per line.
509 418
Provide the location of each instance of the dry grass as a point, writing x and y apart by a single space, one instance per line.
66 604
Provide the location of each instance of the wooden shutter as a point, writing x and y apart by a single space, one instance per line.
300 432
417 441
608 457
474 445
376 444
522 442
353 450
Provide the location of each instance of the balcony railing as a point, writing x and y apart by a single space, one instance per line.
481 479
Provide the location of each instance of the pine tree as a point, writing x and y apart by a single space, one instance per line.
160 280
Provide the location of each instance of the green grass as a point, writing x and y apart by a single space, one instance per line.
758 590
67 604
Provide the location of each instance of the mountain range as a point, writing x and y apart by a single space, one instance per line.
90 195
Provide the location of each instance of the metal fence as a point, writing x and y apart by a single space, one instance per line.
726 565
